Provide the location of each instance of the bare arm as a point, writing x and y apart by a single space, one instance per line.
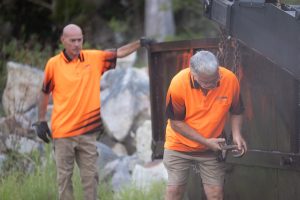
43 103
128 49
236 126
190 133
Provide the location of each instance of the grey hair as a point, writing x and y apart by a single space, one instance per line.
204 62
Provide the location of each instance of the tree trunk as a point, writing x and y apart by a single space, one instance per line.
159 20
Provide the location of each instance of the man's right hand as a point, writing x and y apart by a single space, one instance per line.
43 130
215 144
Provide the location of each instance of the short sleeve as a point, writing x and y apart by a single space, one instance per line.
175 104
48 81
110 59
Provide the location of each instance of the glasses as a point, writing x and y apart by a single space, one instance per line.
207 82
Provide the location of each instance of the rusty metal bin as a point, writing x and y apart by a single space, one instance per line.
271 167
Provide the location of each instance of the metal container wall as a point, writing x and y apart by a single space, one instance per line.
271 167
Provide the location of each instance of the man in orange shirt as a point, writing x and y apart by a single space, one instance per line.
197 105
73 78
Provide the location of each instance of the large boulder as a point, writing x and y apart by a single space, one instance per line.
143 142
125 101
16 135
22 88
106 155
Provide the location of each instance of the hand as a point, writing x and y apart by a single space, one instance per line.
42 130
239 140
215 144
146 42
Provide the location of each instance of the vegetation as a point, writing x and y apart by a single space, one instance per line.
155 192
16 184
41 182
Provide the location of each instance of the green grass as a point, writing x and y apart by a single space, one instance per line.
154 192
40 184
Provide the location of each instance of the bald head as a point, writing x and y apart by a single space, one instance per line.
72 40
71 29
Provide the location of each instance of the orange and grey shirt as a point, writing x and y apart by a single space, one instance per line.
205 113
75 88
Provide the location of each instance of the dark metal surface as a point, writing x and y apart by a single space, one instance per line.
271 90
271 121
271 31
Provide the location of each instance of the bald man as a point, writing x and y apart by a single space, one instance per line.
73 78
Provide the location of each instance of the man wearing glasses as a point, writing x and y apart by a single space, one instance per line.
197 105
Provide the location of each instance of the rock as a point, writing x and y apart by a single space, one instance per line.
127 61
2 160
21 144
120 171
120 149
124 97
22 88
144 176
106 155
143 142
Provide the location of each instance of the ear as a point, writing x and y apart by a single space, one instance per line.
62 39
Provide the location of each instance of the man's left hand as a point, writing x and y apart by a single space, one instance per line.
241 143
43 130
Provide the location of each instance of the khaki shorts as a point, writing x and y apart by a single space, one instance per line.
179 164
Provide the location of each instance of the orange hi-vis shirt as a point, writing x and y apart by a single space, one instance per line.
75 88
206 114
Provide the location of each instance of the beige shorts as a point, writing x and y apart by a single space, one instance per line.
179 164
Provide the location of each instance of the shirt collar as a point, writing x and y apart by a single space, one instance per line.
196 85
68 59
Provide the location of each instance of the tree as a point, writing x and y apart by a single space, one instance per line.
159 19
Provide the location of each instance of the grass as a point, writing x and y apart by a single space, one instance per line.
154 192
41 184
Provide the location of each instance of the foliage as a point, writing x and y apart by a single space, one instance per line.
190 22
118 25
30 186
20 19
30 53
155 191
41 183
14 162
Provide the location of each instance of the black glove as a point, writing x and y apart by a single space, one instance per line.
146 42
43 130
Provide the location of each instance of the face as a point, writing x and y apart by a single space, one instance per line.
72 40
207 81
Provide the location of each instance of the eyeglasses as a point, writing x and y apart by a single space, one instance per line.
207 82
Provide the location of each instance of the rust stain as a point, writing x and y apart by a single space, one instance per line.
183 60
